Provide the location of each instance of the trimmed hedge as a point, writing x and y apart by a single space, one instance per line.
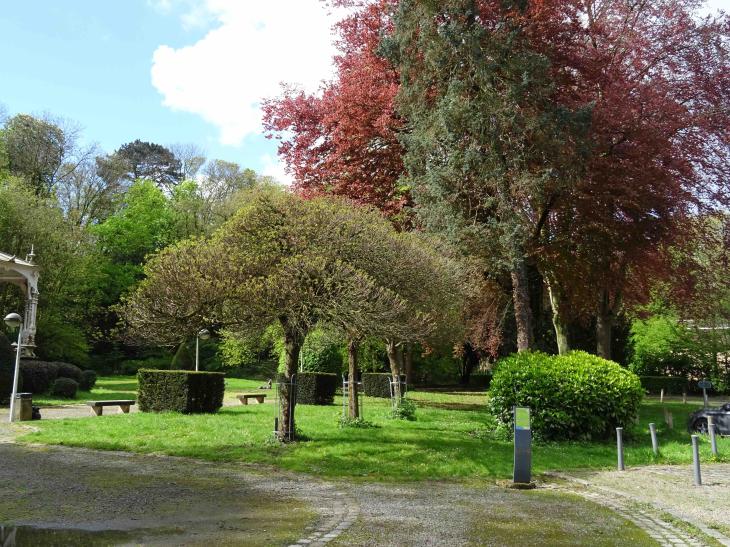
573 396
182 391
65 387
377 384
7 369
88 380
671 384
316 388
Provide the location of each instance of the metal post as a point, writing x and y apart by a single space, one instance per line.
711 430
684 397
197 351
661 396
704 396
696 460
654 441
620 447
17 372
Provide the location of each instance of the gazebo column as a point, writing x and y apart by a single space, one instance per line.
29 326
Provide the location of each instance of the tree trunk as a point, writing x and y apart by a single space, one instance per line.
408 362
354 408
469 361
521 301
287 397
395 358
604 326
561 331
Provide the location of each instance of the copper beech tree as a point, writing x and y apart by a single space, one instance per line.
284 259
574 136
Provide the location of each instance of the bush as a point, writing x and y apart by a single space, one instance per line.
66 370
671 384
573 396
65 387
316 388
183 391
7 369
405 410
377 384
38 376
88 380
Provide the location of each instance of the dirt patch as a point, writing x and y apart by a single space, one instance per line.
156 500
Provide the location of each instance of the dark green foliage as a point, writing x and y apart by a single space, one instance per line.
88 380
316 388
377 384
670 384
66 370
573 396
180 391
64 387
7 369
38 376
482 380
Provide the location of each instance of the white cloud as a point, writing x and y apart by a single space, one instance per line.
273 167
254 47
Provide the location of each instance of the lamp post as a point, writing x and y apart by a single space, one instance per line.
14 321
203 334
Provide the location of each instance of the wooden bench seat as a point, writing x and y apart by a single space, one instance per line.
98 406
244 397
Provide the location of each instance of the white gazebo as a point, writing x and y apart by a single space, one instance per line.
24 274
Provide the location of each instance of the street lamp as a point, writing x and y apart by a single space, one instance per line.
203 334
14 321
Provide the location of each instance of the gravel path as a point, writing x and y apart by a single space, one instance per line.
642 493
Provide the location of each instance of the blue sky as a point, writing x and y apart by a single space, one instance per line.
166 71
91 61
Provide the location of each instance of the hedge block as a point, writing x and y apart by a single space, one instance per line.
377 384
182 391
316 388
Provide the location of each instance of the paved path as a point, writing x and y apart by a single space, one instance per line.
646 494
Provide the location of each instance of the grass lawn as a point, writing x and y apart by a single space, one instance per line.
452 437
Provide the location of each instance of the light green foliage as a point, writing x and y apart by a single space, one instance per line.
663 346
572 396
142 225
321 352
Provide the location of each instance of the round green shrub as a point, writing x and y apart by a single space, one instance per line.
67 370
88 380
64 387
573 396
38 376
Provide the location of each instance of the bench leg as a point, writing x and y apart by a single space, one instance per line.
244 400
260 399
98 410
125 408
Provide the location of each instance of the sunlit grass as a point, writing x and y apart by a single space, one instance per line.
450 439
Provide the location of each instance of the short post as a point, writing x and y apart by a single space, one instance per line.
661 396
684 397
523 446
712 432
620 447
704 396
668 419
696 460
654 441
704 385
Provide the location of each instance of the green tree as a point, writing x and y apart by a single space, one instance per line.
142 160
488 149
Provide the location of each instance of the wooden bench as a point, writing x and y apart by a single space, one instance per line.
98 406
244 397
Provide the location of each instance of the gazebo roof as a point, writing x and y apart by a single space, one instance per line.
6 258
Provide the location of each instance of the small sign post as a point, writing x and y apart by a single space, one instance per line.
705 385
523 446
